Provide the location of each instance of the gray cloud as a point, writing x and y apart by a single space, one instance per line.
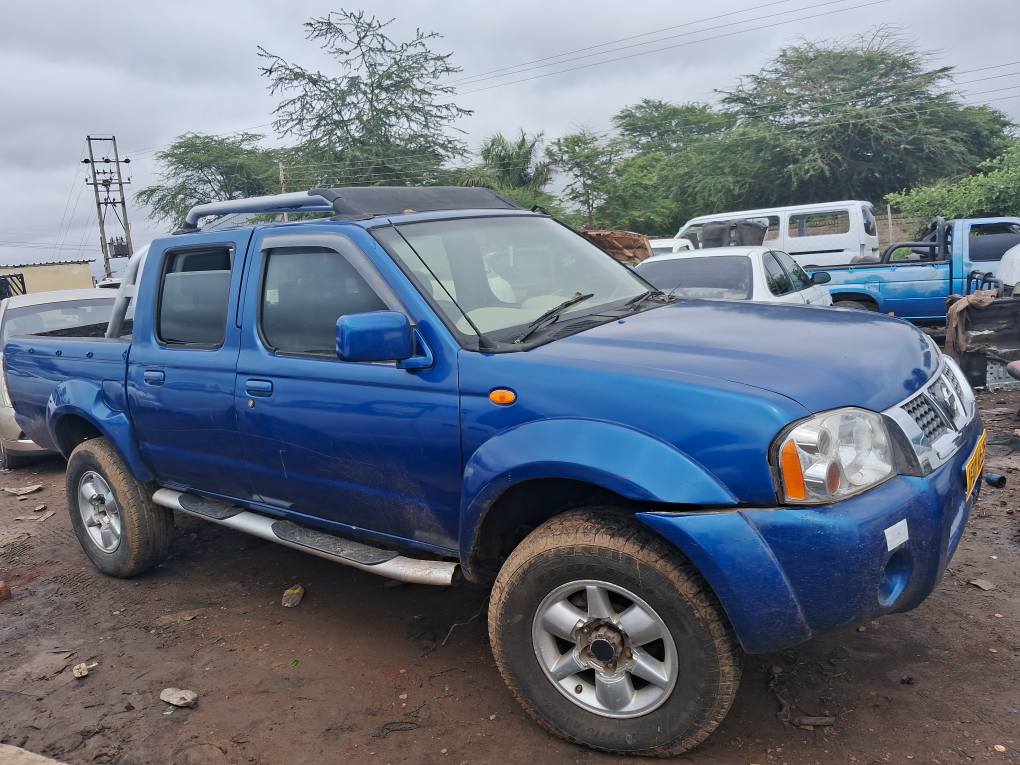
149 72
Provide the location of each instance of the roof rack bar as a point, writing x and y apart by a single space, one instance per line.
296 201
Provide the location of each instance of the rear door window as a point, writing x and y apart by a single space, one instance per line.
799 279
870 224
776 278
193 298
823 223
989 241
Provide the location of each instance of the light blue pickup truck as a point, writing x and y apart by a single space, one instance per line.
911 280
432 384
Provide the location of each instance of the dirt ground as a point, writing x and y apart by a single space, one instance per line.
364 671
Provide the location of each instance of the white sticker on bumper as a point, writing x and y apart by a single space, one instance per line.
896 535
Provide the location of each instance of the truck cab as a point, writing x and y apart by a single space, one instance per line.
912 280
431 384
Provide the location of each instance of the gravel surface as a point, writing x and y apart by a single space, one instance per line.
364 671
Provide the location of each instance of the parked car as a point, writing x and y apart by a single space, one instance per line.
667 246
736 273
56 312
648 484
815 235
912 280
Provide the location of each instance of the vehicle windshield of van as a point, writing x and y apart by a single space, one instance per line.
69 318
724 277
500 274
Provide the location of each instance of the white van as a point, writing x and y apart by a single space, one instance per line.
825 234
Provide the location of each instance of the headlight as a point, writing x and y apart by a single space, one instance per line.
834 455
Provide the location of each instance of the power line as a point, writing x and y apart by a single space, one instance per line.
676 45
506 70
67 201
366 164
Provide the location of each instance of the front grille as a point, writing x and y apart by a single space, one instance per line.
924 413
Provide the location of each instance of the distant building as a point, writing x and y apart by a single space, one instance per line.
45 273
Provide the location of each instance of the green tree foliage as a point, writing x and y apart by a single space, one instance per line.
512 163
587 162
385 117
821 121
199 168
848 119
654 125
992 192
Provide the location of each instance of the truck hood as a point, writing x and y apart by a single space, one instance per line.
822 358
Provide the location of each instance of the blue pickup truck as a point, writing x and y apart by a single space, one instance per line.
432 384
912 280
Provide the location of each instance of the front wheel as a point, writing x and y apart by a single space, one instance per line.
609 638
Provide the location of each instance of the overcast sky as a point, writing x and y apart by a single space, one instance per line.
148 72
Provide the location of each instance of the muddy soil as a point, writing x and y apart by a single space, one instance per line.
364 671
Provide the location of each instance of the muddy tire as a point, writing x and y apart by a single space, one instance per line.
855 305
609 638
118 526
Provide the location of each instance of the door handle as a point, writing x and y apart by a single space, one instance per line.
154 376
258 388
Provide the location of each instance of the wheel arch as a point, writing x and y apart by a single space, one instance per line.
534 471
861 295
79 410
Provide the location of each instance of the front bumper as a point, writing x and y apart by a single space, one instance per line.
784 574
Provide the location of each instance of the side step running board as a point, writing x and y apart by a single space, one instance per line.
365 557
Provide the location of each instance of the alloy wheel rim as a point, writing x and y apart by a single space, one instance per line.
605 649
99 511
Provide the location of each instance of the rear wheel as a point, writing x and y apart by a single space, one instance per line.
117 524
608 638
857 305
10 461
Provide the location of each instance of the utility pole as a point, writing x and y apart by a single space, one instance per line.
283 183
107 182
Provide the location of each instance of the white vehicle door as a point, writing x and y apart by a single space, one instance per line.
779 287
812 294
822 238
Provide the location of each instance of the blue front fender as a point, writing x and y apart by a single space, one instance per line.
80 398
743 573
628 462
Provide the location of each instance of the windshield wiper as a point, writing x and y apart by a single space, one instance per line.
551 314
637 300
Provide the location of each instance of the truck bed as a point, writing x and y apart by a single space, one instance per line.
36 365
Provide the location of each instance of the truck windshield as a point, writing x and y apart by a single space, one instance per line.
85 318
499 274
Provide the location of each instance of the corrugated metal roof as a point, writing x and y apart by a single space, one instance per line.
23 259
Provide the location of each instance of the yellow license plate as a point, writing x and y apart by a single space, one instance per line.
976 463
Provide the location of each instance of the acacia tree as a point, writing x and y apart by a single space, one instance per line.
587 160
855 119
200 168
656 125
386 117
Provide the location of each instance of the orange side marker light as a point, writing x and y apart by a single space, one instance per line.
502 396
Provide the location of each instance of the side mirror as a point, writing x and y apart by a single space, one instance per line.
374 336
821 277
